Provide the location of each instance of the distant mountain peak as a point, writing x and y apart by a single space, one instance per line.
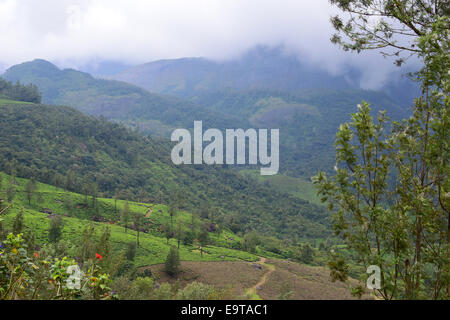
26 71
41 63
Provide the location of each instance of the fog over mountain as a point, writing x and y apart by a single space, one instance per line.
86 34
264 68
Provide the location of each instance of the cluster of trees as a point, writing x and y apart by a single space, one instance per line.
390 192
20 92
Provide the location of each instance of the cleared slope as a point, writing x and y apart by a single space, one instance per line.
153 244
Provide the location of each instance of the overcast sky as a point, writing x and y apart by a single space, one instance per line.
73 33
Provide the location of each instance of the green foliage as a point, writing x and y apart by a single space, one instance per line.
251 240
19 92
306 254
179 233
172 263
10 192
136 107
55 231
308 119
394 33
87 243
104 244
30 188
153 248
47 143
125 215
285 291
203 239
131 251
390 186
338 269
188 238
18 223
297 187
25 275
142 289
199 291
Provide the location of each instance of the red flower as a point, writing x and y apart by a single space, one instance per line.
36 254
98 256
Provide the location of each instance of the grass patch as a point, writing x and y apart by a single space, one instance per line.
153 244
297 187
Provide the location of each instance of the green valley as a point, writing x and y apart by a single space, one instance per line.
61 146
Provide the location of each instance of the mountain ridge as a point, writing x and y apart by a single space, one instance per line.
262 67
117 101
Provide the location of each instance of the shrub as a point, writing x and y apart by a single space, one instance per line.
172 263
198 291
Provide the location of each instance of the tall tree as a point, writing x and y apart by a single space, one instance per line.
179 233
55 230
167 231
10 191
131 251
116 196
125 216
172 262
138 220
94 193
30 188
172 212
203 239
391 188
87 243
18 223
104 246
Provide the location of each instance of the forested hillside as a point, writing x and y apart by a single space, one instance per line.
63 147
259 68
114 100
307 119
29 93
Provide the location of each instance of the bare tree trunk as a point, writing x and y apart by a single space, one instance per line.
418 251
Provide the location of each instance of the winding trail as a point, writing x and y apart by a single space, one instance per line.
252 292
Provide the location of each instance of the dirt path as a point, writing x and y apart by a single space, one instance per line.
252 292
149 212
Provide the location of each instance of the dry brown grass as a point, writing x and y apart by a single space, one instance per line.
306 283
236 276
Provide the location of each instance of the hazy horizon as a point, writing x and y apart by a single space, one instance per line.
84 35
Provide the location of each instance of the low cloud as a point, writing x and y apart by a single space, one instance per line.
75 33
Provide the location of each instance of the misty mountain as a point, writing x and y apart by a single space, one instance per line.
308 118
114 100
260 68
106 68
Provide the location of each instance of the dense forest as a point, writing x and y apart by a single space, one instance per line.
27 93
63 147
